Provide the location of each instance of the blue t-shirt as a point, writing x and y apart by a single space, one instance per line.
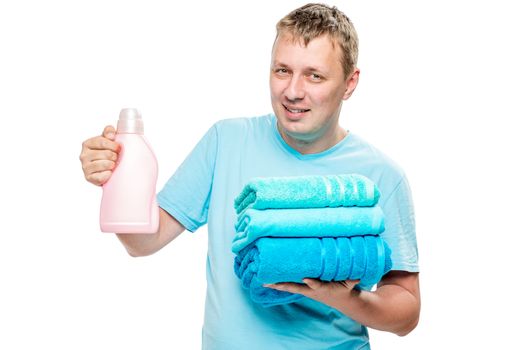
203 189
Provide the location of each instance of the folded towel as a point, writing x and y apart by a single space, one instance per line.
313 191
272 260
309 222
245 268
270 297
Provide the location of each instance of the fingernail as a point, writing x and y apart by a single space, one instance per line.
110 135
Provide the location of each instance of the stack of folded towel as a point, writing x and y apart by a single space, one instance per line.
291 228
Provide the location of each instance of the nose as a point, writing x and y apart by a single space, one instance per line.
295 88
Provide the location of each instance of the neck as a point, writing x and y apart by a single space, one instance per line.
315 145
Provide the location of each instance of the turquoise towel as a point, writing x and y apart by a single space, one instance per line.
272 260
309 222
314 191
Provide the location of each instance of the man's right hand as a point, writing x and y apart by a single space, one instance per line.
99 155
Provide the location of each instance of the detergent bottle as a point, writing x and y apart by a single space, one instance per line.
129 196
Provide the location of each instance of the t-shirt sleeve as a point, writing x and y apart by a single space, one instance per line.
186 194
400 228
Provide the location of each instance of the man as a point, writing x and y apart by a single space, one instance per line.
313 70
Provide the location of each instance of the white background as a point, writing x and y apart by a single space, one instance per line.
440 92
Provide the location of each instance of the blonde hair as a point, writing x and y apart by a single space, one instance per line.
313 20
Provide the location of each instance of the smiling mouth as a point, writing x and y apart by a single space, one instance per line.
295 110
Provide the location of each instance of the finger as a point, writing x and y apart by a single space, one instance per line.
101 143
349 284
99 178
88 155
99 166
92 155
290 287
313 283
109 132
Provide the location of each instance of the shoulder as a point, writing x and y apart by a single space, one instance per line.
379 166
377 158
243 124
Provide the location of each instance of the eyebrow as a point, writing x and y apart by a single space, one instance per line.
308 69
280 64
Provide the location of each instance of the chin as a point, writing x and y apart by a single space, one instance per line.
296 130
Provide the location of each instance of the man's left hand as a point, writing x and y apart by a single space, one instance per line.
324 292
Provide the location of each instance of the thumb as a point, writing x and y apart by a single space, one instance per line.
109 132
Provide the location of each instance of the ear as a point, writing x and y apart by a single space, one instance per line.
351 83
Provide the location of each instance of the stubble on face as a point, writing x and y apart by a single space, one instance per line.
307 89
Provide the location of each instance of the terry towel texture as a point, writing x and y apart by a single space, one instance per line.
313 191
307 222
291 228
273 260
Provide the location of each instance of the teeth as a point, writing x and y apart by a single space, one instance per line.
297 110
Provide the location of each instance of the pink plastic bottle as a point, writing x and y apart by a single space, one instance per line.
129 198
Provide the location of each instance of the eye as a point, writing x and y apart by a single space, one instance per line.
281 71
315 77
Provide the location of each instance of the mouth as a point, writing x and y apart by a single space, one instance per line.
295 112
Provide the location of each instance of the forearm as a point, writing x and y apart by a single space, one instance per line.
147 244
139 244
390 308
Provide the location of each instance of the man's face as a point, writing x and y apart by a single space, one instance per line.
307 86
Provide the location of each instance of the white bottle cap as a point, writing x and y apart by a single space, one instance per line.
130 122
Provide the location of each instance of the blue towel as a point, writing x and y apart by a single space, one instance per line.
309 222
314 191
272 260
